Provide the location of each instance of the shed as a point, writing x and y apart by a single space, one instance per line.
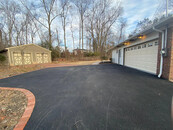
26 54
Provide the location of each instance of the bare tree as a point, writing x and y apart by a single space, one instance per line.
65 6
102 17
123 24
82 6
51 13
9 9
72 33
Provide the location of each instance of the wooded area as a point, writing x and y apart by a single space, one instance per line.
94 25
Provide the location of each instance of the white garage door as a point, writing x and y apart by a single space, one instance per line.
17 56
27 58
39 58
45 58
142 57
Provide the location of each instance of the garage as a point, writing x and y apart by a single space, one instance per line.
27 54
142 56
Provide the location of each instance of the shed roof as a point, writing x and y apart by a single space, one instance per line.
28 45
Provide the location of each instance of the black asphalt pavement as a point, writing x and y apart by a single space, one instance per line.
96 97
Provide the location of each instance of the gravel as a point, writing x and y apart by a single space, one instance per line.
12 107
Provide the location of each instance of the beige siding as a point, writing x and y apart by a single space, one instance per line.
28 54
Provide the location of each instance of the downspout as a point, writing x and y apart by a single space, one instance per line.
162 47
166 33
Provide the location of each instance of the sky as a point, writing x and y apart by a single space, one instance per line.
134 11
137 10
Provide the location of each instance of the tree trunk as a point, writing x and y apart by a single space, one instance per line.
82 32
65 35
10 37
79 35
26 34
50 37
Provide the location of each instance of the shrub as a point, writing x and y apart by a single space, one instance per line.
91 54
55 53
104 58
2 58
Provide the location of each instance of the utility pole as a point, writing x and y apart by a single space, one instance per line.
166 8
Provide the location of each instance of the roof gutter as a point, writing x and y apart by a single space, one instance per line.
162 48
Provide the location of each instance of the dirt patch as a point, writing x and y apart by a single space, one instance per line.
62 64
7 71
12 107
77 62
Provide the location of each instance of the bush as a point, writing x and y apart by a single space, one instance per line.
104 58
55 53
2 58
91 54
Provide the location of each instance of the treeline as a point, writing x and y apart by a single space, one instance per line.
62 25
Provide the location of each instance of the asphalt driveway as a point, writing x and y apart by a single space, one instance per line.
96 97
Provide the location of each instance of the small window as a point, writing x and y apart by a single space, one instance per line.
139 47
156 43
135 48
150 44
144 46
131 48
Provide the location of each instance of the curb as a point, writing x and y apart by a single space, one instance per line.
29 109
172 112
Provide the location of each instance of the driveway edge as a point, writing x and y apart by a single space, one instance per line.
29 109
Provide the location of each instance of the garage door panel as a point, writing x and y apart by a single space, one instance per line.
27 58
144 59
17 58
45 58
39 58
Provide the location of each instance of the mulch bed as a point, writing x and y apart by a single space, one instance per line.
12 107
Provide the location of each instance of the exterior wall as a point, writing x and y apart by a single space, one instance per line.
115 56
170 38
32 49
121 62
167 60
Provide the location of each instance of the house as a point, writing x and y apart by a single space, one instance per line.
26 54
151 50
79 51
